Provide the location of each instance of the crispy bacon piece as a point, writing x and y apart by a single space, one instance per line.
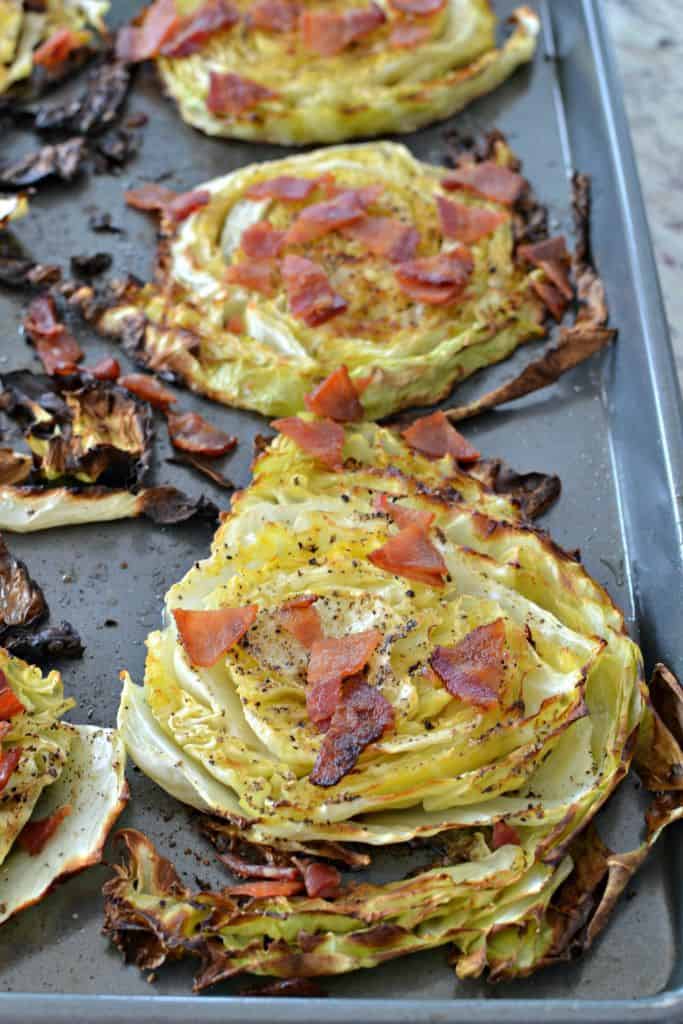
9 760
140 42
107 368
403 515
275 15
336 397
149 389
190 432
58 47
467 224
473 670
504 835
159 199
311 296
35 835
552 299
301 619
233 94
57 349
322 881
256 275
436 280
285 187
323 440
385 236
410 553
244 869
317 220
236 324
362 716
206 635
421 8
332 660
263 890
487 179
406 35
435 436
195 29
552 257
10 705
327 33
262 241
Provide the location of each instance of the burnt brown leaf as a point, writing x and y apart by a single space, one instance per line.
293 987
95 108
659 754
167 506
64 161
535 492
204 466
90 266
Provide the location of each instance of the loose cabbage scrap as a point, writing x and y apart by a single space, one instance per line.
62 786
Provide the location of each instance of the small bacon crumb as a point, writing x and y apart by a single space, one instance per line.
435 436
233 94
35 835
9 759
504 835
275 15
322 881
362 716
410 553
149 390
190 432
328 33
487 179
332 660
336 398
58 47
436 280
403 515
467 224
196 29
311 296
206 635
301 619
473 670
10 705
107 368
323 440
285 188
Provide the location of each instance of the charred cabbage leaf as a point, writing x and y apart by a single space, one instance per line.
44 41
50 768
24 630
90 444
259 77
273 275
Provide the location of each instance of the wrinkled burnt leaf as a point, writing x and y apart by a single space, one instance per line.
167 506
45 643
202 465
95 108
24 273
535 492
63 161
90 266
114 150
101 223
296 988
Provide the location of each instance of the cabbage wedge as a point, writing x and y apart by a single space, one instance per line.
62 786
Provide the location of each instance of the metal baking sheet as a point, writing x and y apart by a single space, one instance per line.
612 429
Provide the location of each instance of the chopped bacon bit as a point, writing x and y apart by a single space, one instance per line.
10 705
244 869
256 275
206 635
467 224
332 660
385 236
551 298
57 349
327 33
406 35
149 390
195 29
436 280
9 760
311 296
473 669
487 179
403 515
137 43
552 257
504 835
236 324
323 440
422 8
285 187
58 47
35 835
190 432
108 368
362 716
435 436
262 241
410 553
301 619
322 881
275 15
181 206
233 94
321 218
159 199
262 890
336 397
